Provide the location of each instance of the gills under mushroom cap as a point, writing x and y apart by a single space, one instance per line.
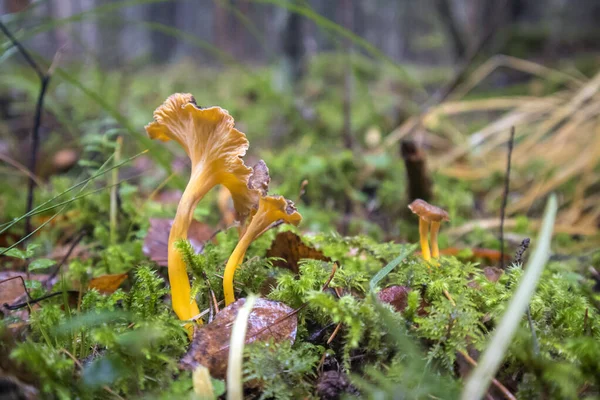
428 212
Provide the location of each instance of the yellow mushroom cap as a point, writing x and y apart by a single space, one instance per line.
214 146
428 212
272 209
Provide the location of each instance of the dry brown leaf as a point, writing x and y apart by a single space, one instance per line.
492 274
12 290
156 241
396 296
107 283
210 346
289 246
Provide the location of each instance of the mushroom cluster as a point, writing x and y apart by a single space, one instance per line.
215 149
433 216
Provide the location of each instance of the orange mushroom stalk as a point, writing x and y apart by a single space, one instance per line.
215 149
429 215
270 210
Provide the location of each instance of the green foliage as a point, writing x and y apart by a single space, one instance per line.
53 368
284 371
128 337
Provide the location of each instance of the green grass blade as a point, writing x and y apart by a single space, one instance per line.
84 182
406 251
489 363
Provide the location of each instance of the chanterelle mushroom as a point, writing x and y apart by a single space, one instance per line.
428 214
270 210
215 149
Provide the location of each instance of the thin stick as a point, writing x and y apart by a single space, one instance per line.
505 195
447 294
334 334
114 192
495 382
64 259
23 51
35 144
24 286
37 122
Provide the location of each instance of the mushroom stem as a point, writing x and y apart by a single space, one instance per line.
270 210
435 228
423 232
184 306
235 260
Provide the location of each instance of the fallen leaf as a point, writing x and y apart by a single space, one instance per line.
12 290
107 283
210 345
289 247
396 296
157 239
492 273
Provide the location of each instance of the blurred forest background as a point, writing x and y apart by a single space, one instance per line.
431 32
326 92
357 108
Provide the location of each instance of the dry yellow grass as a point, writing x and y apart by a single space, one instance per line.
559 132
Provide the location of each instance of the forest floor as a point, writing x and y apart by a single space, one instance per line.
335 296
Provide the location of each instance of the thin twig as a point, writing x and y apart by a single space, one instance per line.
64 259
34 301
447 294
23 51
21 168
37 122
505 195
24 287
495 382
334 334
35 144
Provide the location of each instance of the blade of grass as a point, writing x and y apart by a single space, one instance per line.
75 198
84 183
406 251
235 387
491 359
114 193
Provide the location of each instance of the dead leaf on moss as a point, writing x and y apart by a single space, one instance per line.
396 296
107 283
289 247
156 241
210 346
11 286
492 273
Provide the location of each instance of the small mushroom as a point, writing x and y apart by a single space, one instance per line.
428 215
215 149
271 209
